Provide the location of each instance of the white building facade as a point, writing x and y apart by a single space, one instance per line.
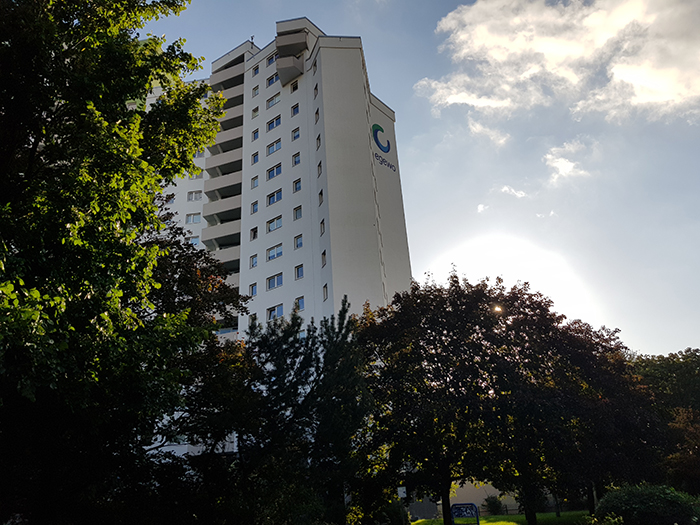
301 195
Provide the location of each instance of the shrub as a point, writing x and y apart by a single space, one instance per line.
607 520
645 504
493 505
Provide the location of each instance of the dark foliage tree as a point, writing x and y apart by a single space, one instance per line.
88 366
674 382
674 379
340 403
303 403
431 380
476 382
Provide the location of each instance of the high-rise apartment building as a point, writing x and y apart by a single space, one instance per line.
301 195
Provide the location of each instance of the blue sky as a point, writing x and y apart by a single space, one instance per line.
549 142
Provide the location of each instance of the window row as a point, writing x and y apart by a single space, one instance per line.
275 122
276 251
277 280
273 101
278 311
271 148
275 170
255 135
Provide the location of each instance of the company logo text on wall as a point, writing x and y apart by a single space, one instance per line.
376 128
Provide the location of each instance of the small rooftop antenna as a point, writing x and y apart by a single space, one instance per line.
252 37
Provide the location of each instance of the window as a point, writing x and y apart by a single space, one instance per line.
254 208
318 142
299 272
299 304
253 233
271 148
274 78
256 91
325 292
295 86
255 112
295 134
193 218
253 183
271 59
274 282
256 70
298 242
194 195
254 260
315 90
320 197
322 226
323 258
254 158
315 67
193 240
319 168
295 109
274 224
273 172
272 101
253 289
274 197
297 213
296 159
316 116
255 135
274 252
274 123
275 312
296 185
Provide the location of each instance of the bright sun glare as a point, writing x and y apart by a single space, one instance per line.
519 260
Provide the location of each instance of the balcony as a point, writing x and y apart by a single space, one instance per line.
222 235
224 163
223 210
227 78
228 255
289 68
291 44
223 186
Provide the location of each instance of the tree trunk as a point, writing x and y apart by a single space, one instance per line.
446 511
530 516
591 499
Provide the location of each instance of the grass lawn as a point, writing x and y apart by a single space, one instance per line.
549 518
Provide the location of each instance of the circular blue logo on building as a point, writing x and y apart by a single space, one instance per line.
375 133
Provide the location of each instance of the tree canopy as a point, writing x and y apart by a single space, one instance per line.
477 382
87 359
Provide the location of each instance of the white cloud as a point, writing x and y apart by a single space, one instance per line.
495 136
559 161
514 192
609 55
481 208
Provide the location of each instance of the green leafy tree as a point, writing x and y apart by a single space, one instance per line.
87 363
